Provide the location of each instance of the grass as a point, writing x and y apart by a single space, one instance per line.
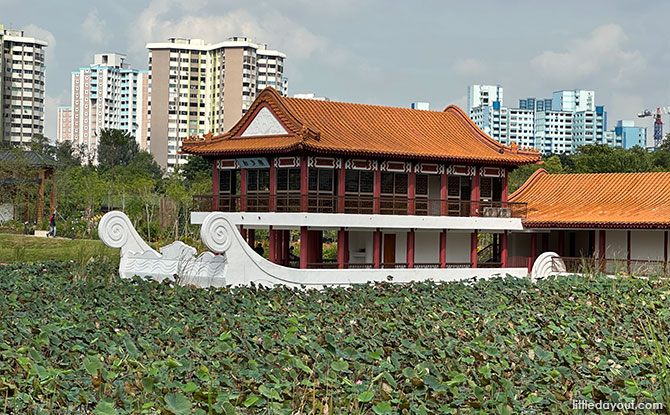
27 248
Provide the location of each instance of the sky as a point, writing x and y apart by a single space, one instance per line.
385 52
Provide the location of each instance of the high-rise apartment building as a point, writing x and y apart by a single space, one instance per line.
21 86
629 136
588 127
483 95
553 132
574 100
535 104
106 94
199 88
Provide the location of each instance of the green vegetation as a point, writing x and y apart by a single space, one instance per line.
74 341
22 248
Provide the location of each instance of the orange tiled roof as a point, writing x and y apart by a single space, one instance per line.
604 200
329 127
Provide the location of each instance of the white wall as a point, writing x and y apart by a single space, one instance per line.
6 212
427 247
458 247
615 244
360 247
646 245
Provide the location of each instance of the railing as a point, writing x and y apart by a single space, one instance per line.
384 205
387 265
637 267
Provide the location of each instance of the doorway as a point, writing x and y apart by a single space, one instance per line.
389 248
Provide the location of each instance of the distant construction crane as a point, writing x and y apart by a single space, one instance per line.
658 123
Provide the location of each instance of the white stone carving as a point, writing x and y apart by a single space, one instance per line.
176 261
264 123
548 263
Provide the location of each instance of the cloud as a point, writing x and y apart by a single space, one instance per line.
40 33
470 67
93 28
602 54
178 18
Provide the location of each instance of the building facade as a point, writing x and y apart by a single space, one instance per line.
22 76
106 94
629 136
199 88
483 95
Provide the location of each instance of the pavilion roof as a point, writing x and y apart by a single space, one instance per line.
603 200
347 129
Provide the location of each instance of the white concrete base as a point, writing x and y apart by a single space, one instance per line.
241 265
41 234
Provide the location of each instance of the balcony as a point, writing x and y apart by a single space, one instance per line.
384 205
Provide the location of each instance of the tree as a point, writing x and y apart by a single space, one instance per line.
68 155
606 159
116 148
519 176
41 144
195 165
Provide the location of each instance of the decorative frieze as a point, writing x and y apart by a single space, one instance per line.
324 162
429 168
488 171
287 162
461 170
396 166
360 164
227 164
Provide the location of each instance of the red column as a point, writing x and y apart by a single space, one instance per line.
410 248
504 186
243 190
503 249
342 248
443 192
411 192
279 243
561 243
243 232
533 248
304 176
341 181
272 254
377 190
545 242
273 186
443 248
215 186
665 251
474 193
473 248
251 237
602 240
287 247
304 246
377 248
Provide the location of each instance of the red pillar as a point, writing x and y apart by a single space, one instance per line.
287 247
304 175
503 249
251 237
215 186
443 192
304 246
341 182
533 248
273 186
411 192
243 190
504 186
443 248
474 193
272 245
545 242
561 243
410 248
665 251
342 248
377 248
377 190
473 248
243 232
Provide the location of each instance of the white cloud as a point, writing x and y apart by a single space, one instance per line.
602 54
40 33
93 28
470 67
156 24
